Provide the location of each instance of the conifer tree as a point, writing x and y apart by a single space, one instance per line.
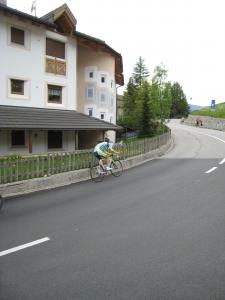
140 72
129 98
145 110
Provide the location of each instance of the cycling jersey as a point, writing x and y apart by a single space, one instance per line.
102 148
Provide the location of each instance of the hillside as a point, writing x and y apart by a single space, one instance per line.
218 113
195 107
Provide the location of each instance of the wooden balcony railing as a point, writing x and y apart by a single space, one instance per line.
55 66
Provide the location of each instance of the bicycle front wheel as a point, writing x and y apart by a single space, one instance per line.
97 173
117 168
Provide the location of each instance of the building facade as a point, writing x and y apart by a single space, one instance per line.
47 64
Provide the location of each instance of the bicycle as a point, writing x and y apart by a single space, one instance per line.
98 173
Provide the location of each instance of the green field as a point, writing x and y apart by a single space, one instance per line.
218 113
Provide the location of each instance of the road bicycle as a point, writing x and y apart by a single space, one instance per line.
97 172
1 202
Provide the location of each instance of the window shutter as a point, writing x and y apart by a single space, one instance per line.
55 48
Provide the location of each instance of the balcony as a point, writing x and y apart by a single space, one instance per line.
55 66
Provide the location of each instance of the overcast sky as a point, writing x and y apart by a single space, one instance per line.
188 36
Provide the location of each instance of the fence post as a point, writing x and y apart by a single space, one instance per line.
10 165
48 165
27 169
37 167
5 171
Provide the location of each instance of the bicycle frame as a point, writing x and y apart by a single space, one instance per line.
97 173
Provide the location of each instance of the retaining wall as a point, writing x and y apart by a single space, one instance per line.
63 179
207 122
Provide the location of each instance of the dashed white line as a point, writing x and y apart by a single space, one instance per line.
222 161
211 170
11 250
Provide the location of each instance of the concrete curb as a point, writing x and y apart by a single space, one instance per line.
67 178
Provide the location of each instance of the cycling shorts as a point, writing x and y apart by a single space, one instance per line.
99 156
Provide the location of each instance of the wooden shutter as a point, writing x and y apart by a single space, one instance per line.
55 48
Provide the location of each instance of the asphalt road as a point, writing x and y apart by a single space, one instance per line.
157 232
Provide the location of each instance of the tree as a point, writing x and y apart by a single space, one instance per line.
164 95
141 72
167 101
129 97
145 113
160 74
180 107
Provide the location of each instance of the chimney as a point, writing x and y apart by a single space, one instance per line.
4 2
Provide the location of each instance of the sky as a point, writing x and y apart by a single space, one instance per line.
187 36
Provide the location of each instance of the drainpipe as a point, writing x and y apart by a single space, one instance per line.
116 99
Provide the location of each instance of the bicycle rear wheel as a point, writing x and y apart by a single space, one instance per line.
97 173
117 168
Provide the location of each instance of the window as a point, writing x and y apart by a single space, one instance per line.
102 99
17 87
102 116
55 139
111 102
90 73
17 138
17 36
90 93
54 94
55 48
90 112
103 79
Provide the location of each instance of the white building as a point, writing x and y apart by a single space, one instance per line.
47 65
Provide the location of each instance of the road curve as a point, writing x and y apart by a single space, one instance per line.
157 232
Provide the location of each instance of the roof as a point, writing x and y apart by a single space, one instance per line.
18 13
106 48
96 40
17 117
63 18
57 17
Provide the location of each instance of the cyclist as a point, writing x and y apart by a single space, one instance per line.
102 151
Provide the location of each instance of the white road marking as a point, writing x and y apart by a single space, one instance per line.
212 136
211 170
45 239
222 161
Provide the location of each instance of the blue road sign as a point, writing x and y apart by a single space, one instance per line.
213 104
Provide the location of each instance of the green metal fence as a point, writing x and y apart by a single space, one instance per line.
16 169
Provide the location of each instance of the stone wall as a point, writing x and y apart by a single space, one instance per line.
207 122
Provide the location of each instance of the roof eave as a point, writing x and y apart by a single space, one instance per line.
12 11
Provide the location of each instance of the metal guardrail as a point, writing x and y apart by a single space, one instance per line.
35 166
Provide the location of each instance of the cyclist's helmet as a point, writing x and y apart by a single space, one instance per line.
106 140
